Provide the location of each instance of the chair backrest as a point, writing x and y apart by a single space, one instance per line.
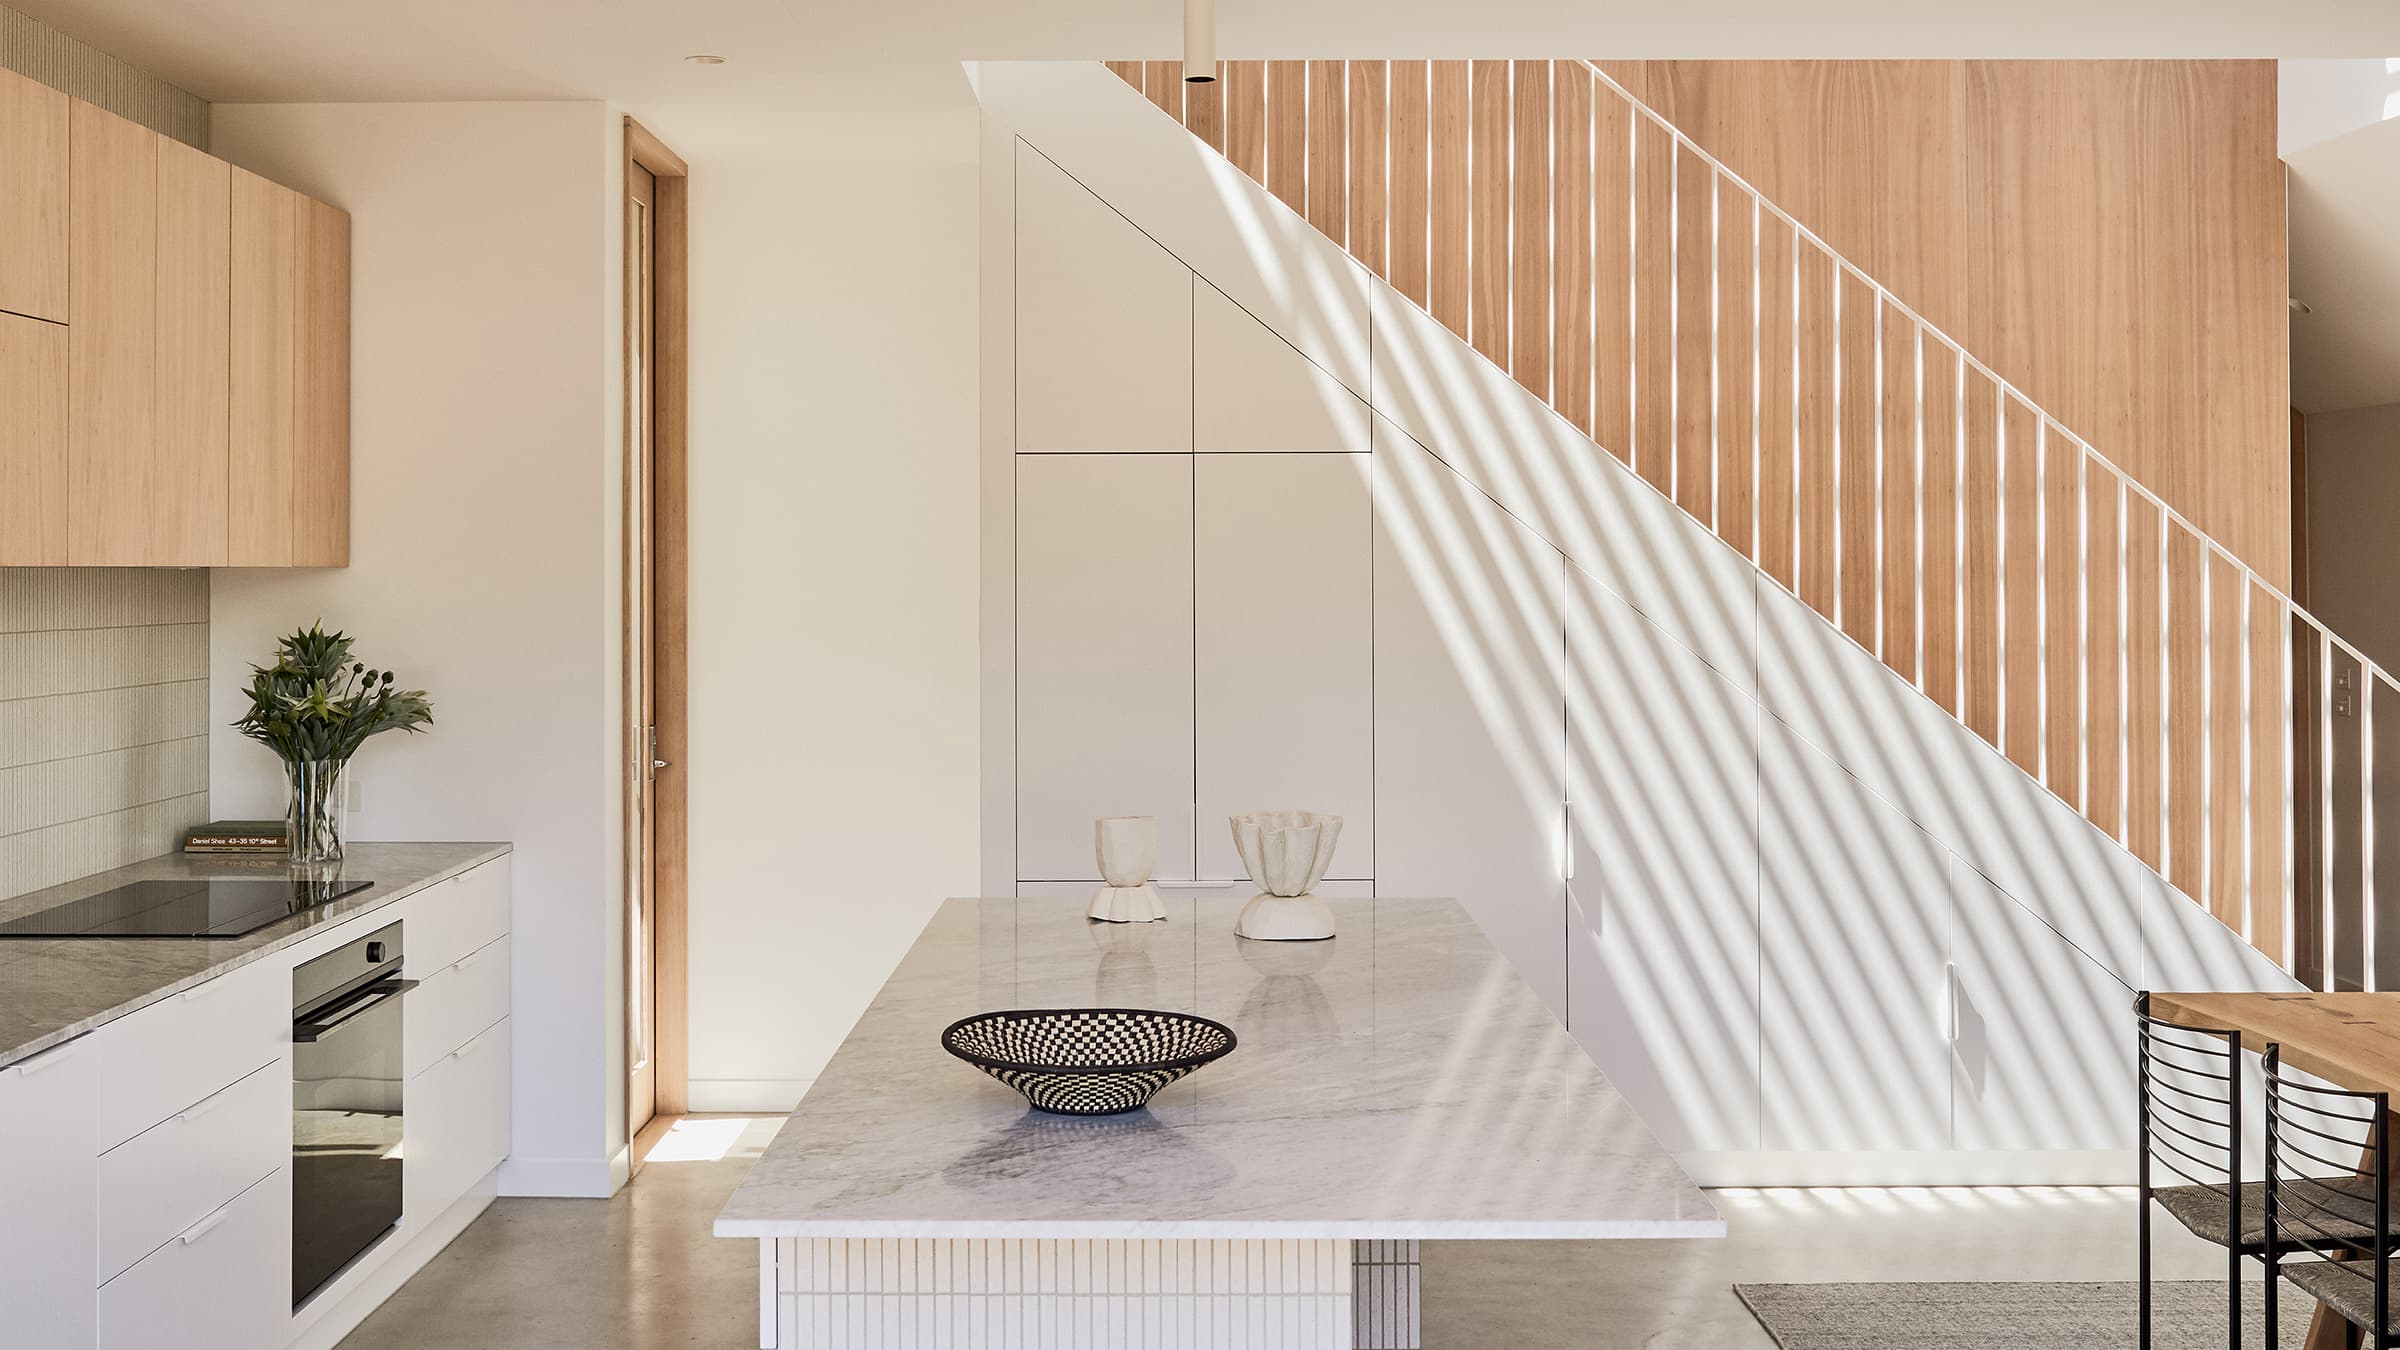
2321 1142
2191 1105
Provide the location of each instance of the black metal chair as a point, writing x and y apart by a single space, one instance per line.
2190 1080
2329 1216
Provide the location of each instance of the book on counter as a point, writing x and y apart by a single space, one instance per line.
236 836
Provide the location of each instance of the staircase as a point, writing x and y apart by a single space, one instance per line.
1851 451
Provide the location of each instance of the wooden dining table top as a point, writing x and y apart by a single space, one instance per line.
2348 1039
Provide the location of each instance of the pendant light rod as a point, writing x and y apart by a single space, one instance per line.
1199 41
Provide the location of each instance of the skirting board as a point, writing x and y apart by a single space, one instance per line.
1963 1167
572 1178
335 1314
746 1096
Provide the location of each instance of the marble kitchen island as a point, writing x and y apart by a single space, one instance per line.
1394 1084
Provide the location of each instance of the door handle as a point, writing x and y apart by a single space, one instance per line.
206 1226
662 764
383 991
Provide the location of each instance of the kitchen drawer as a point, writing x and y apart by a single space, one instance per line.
449 1006
46 1167
224 1283
450 920
172 1175
457 1125
155 1062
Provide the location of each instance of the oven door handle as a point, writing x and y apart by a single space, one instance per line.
365 1001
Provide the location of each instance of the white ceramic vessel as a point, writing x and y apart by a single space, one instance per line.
1128 851
1287 853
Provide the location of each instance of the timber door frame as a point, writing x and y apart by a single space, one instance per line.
667 779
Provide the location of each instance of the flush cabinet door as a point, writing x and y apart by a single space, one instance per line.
290 493
148 348
1284 686
1662 929
457 1126
1854 918
1104 656
224 1283
33 198
33 442
2042 1046
112 423
1470 710
48 1236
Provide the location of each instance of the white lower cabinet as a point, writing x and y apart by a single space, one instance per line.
222 1283
457 1125
47 1105
155 1151
452 1005
188 1045
179 1171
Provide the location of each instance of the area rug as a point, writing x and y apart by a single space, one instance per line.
2185 1315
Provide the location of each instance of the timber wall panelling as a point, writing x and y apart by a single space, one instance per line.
1826 309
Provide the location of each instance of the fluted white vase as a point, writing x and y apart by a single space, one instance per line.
1127 847
1287 853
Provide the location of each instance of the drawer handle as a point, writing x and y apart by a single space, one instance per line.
206 1226
469 1048
475 958
28 1067
201 1108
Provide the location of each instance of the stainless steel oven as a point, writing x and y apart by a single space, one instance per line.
347 1079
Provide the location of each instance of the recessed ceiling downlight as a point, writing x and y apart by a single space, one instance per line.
704 59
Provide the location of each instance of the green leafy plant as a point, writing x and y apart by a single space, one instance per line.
315 703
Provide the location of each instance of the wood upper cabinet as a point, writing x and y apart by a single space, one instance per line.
112 338
33 198
203 366
290 475
33 442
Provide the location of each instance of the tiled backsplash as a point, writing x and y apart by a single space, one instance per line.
103 718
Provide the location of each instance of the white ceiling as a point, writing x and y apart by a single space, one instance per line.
2345 221
880 77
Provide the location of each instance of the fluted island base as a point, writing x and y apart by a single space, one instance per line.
1124 1293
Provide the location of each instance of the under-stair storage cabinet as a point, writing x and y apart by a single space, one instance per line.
1104 657
1470 710
33 198
188 381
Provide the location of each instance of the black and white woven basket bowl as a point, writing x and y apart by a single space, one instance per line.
1087 1061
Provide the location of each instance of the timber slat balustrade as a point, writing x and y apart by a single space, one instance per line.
1959 526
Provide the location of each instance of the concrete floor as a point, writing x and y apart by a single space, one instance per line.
642 1272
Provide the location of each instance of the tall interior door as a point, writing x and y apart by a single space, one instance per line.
641 840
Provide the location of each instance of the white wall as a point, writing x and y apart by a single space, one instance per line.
2353 553
833 569
2319 99
486 458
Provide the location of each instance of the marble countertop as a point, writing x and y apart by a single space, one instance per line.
1398 1081
52 990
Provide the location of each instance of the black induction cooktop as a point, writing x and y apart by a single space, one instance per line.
187 908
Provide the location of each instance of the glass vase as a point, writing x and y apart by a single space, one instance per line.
313 823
